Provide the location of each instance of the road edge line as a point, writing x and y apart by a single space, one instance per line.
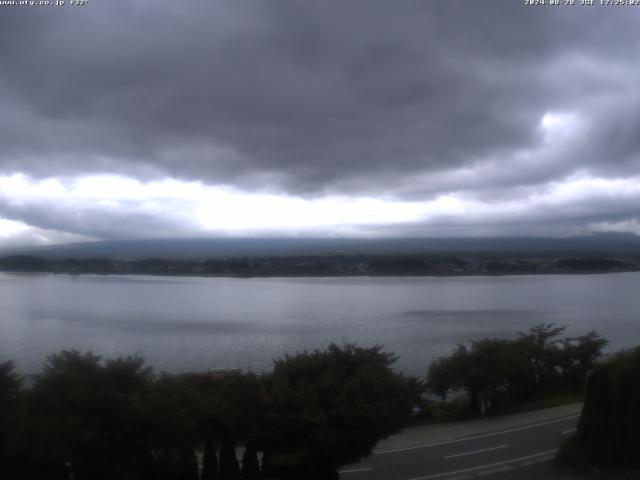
471 469
474 437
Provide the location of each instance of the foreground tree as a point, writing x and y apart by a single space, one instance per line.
209 460
608 433
229 466
88 416
484 370
330 408
250 464
10 389
175 430
580 355
230 410
498 372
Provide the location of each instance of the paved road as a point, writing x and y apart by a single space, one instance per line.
467 457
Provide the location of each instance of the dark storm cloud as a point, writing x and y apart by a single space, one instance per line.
365 117
315 96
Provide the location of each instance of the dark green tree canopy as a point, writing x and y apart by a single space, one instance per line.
329 408
10 383
609 429
500 371
90 413
109 419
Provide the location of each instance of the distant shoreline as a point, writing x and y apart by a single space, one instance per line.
327 267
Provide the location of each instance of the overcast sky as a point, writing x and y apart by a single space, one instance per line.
133 119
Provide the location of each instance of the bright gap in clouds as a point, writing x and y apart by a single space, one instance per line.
560 128
58 210
199 208
11 228
18 234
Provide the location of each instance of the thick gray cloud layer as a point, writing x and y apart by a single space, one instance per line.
405 100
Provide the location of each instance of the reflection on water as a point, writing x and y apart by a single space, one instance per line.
187 323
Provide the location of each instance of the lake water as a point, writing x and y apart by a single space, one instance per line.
192 323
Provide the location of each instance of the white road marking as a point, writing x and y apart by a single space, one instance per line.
503 468
466 439
571 430
437 475
476 451
355 470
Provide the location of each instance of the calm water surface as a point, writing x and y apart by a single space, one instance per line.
190 323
